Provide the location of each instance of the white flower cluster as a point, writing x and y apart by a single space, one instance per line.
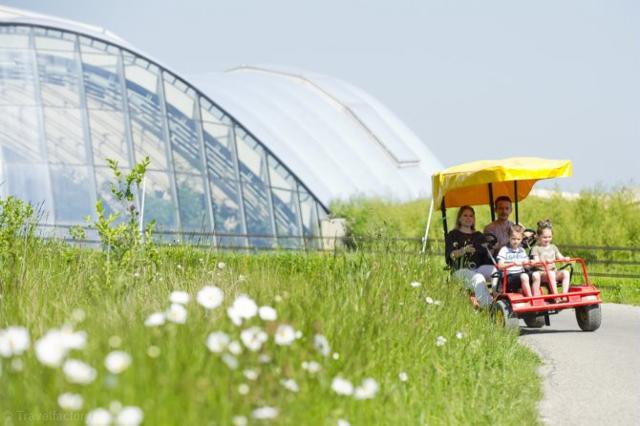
366 390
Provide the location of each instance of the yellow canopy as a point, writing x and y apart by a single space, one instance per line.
469 183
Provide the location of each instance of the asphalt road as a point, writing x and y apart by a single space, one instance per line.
590 378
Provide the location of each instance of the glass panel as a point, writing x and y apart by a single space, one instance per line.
219 151
146 115
251 157
73 194
184 143
101 81
141 76
16 78
280 177
148 139
53 43
108 137
57 71
194 215
30 183
256 207
64 135
285 207
225 195
310 222
14 37
19 134
159 202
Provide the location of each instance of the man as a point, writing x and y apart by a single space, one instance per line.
501 226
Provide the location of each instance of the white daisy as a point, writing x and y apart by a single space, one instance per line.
234 316
267 313
428 300
367 390
290 385
129 416
343 422
176 314
245 307
311 366
342 386
235 348
253 338
322 345
265 413
210 297
99 417
117 361
14 340
217 341
415 284
239 421
441 340
181 297
285 335
230 361
78 372
403 376
243 389
50 348
155 319
250 374
70 401
459 335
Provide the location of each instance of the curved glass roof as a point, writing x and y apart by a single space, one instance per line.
338 139
72 97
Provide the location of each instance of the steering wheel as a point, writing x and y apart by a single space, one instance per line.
490 240
529 239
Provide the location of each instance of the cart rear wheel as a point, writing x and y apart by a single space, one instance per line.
589 317
504 316
533 321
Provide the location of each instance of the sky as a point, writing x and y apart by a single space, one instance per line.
473 79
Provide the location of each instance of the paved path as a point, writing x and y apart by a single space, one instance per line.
590 378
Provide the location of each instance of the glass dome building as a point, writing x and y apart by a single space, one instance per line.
224 161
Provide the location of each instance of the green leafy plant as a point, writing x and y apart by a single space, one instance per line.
17 228
125 241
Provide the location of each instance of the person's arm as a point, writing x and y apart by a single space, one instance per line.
535 254
452 251
559 255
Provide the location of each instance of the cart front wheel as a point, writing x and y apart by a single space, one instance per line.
589 317
503 315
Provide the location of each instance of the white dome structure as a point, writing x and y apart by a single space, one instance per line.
249 157
337 138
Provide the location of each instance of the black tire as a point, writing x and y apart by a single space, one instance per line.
533 321
503 315
589 317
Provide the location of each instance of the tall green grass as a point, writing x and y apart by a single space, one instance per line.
377 324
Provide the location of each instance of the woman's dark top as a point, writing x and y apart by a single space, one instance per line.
457 239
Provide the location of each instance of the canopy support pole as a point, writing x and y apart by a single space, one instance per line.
444 218
491 203
515 196
426 231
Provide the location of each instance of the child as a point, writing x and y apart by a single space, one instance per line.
513 253
544 251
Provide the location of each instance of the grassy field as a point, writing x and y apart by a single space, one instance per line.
434 359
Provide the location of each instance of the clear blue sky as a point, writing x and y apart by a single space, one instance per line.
474 79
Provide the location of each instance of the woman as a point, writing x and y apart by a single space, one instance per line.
466 255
